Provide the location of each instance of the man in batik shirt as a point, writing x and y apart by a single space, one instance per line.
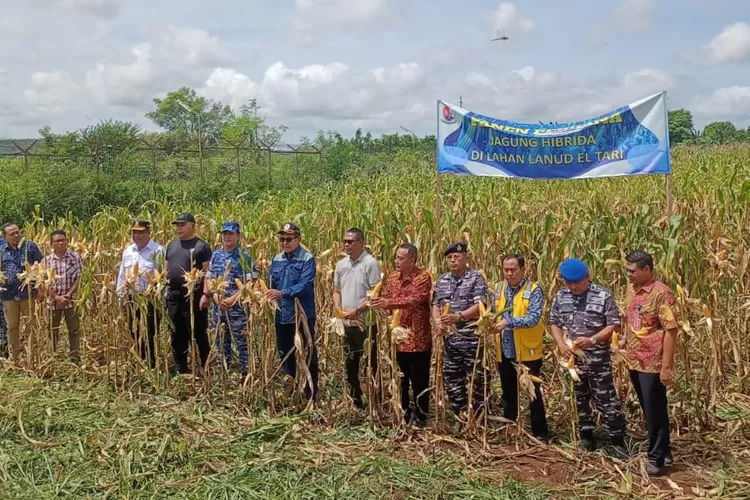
408 289
651 338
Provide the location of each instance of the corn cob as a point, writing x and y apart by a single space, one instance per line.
376 291
396 318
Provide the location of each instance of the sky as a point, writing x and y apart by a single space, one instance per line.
379 65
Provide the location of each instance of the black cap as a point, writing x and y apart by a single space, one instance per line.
141 225
184 217
289 228
456 247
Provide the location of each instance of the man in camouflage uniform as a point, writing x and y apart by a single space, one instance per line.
589 314
463 288
230 263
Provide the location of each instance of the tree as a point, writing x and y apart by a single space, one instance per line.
681 126
265 135
202 115
115 137
719 133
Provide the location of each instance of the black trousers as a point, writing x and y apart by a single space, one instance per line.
416 369
509 383
652 395
285 344
179 310
354 349
148 354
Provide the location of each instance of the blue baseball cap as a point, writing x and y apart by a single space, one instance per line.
573 270
232 227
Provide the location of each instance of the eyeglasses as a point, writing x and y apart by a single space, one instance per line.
350 242
59 241
287 239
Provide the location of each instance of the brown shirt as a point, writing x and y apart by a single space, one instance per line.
650 312
412 296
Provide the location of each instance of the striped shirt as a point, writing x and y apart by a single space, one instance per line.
68 269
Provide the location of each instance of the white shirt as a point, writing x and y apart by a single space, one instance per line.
146 259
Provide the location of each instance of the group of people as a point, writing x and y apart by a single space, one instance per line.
583 318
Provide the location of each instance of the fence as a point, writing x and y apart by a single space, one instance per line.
278 167
162 161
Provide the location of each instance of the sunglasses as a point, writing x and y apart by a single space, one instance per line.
350 242
288 239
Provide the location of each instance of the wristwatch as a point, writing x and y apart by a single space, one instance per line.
461 316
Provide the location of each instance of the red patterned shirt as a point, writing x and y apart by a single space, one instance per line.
68 269
412 296
650 312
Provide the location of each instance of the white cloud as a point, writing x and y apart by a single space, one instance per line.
315 18
230 87
101 8
337 90
50 91
529 95
635 14
123 84
192 46
506 17
728 103
731 45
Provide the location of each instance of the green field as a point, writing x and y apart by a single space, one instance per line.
110 429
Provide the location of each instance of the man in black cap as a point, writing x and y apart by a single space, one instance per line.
149 256
293 277
463 288
185 253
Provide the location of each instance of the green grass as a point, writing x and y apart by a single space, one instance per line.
62 438
85 442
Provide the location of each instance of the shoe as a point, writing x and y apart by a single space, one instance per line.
587 444
620 452
543 438
654 470
587 441
668 459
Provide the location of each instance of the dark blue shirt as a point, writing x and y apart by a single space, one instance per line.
294 276
242 268
13 263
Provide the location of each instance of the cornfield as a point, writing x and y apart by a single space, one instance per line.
703 248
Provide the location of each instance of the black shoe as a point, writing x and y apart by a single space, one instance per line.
620 452
587 444
654 470
544 438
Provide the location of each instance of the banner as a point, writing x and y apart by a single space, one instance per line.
631 140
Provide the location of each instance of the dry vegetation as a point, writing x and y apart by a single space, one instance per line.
112 428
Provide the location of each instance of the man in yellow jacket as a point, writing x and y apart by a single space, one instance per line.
520 333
